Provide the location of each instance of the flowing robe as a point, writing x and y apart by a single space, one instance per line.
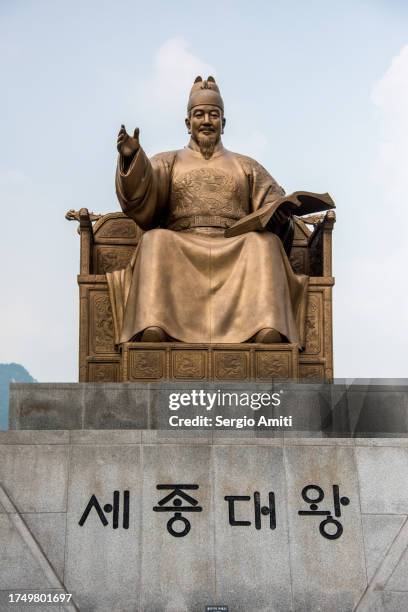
185 276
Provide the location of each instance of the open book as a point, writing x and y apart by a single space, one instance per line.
299 203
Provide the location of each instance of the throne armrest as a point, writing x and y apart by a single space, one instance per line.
87 240
320 245
85 230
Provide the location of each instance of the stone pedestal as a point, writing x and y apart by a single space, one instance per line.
83 509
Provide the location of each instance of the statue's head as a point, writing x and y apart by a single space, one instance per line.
205 115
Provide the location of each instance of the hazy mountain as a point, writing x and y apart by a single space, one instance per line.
10 372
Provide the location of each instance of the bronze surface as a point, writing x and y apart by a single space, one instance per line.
186 277
101 360
168 265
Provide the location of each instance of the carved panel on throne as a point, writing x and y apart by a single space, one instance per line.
104 371
142 361
110 258
147 364
231 365
273 365
314 324
311 372
316 362
115 238
101 323
116 228
189 364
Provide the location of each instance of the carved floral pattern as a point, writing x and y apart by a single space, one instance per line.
312 326
102 333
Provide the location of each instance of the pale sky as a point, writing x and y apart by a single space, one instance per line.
316 91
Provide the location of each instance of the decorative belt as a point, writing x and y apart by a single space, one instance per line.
201 221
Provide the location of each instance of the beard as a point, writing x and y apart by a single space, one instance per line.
207 143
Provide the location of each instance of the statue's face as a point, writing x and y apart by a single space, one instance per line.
206 122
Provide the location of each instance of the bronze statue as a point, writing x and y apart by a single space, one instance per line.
187 281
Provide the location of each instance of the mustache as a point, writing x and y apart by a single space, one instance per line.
207 137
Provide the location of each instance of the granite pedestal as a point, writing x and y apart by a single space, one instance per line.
83 503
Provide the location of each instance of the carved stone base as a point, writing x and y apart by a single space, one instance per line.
148 361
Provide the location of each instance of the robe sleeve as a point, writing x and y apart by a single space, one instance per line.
143 187
264 189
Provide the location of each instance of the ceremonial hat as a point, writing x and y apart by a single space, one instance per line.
205 92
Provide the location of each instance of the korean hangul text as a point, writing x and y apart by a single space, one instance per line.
313 495
108 508
258 509
180 500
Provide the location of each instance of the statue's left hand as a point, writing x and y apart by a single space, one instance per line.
282 216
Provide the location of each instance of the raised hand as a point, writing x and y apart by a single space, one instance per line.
128 145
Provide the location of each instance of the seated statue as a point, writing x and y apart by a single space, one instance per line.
187 282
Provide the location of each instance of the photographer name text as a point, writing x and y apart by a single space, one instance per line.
217 400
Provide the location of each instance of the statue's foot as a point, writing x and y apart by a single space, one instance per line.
268 335
154 334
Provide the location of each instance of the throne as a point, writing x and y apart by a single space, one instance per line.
107 243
